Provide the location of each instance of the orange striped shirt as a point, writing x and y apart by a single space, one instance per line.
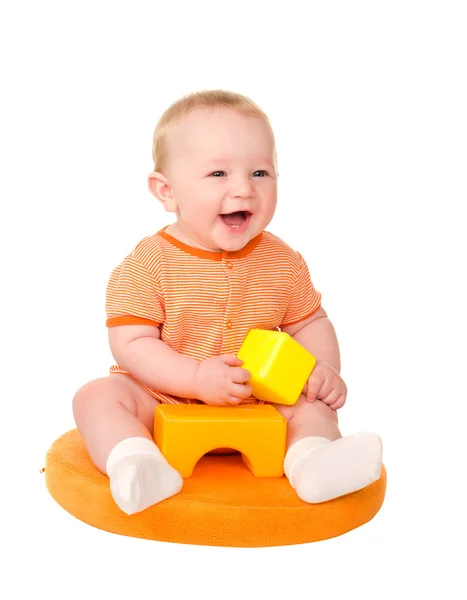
206 302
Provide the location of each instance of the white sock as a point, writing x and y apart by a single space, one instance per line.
140 476
320 470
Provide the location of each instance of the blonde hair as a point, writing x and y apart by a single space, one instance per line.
181 108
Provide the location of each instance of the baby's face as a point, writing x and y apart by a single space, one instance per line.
222 177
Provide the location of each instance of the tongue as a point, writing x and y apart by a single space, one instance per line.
235 218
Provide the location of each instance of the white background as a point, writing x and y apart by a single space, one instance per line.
368 102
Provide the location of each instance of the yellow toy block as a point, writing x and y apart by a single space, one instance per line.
278 364
185 432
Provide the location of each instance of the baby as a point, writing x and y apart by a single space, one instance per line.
181 303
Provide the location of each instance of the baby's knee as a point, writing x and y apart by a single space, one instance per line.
303 410
86 394
99 392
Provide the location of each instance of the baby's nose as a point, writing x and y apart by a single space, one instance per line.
243 189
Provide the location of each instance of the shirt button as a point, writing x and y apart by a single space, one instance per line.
229 324
229 265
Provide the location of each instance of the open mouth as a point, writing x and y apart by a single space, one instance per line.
236 219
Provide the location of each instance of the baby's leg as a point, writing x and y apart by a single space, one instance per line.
321 464
115 416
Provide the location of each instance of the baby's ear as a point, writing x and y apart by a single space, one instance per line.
160 187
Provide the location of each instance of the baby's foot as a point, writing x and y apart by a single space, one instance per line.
140 476
326 469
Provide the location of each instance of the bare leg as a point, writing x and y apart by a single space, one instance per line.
115 415
321 464
109 410
305 419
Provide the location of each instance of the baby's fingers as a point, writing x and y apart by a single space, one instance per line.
232 360
239 390
332 397
232 401
339 403
239 375
315 384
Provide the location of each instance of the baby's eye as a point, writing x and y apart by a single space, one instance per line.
218 174
262 173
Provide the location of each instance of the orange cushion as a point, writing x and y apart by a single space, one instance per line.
221 504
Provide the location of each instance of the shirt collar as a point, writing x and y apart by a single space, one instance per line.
209 254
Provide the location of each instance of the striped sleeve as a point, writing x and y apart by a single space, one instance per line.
304 299
133 296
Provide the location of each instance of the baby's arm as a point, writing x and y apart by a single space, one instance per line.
139 350
318 336
218 380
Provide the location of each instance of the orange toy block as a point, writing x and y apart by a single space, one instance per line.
186 432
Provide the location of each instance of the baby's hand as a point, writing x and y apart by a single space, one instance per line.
220 381
327 385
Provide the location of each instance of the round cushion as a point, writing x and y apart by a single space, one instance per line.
221 504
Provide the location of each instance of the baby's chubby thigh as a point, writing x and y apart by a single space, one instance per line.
115 415
109 410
